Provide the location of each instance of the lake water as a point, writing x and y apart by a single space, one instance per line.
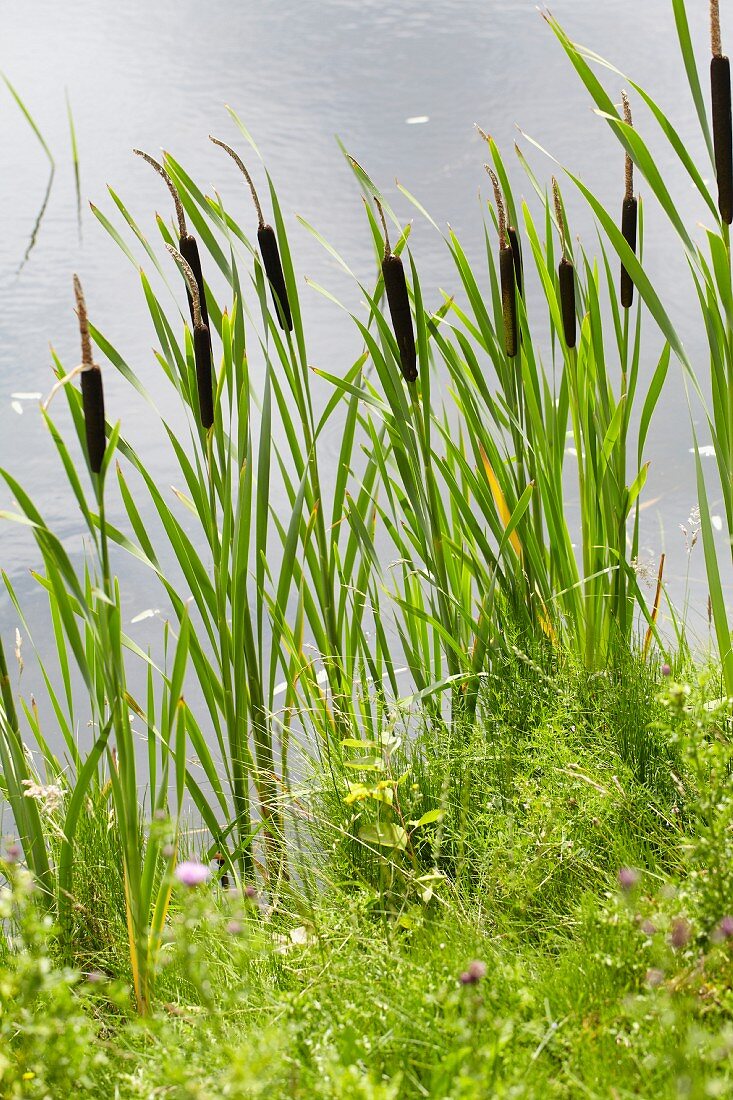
158 75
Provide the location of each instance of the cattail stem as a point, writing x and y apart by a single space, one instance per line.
398 300
92 393
720 89
180 215
269 250
201 344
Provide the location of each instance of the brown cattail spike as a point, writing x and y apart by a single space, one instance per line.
629 215
180 215
269 250
506 272
720 88
516 247
398 300
566 274
92 393
201 345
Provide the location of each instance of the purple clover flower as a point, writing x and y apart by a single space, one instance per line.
192 873
680 934
666 670
476 971
628 878
12 853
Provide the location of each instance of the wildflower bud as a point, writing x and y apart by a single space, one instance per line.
724 931
628 878
476 971
680 934
654 977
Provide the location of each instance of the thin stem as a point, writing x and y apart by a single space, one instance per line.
715 41
387 246
500 208
240 165
559 215
182 230
629 162
192 284
81 312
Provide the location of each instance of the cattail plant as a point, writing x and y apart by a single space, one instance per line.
398 300
92 393
268 246
722 124
629 216
201 344
511 233
507 272
187 244
566 274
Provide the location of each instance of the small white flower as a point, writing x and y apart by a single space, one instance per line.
51 797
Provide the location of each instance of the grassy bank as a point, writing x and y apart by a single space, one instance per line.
565 931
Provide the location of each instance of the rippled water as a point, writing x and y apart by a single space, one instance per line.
298 74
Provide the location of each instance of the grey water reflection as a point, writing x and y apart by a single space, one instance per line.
299 73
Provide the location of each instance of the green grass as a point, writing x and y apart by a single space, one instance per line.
351 985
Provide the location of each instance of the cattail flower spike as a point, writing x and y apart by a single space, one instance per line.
193 289
398 300
180 215
500 208
716 44
241 166
720 88
629 214
201 343
92 393
566 274
559 216
387 245
269 250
